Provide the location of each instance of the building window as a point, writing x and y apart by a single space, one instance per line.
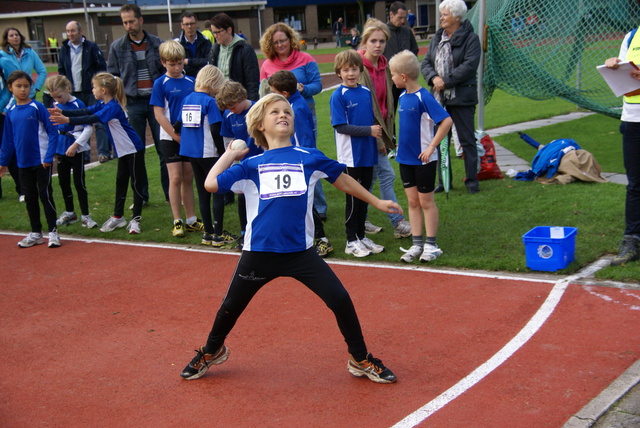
292 16
328 14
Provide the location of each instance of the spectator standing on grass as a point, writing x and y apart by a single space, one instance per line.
337 30
196 46
31 138
630 129
450 67
234 56
355 39
17 54
377 77
401 38
5 97
418 142
207 32
279 237
411 18
135 59
80 60
168 93
52 44
72 142
281 45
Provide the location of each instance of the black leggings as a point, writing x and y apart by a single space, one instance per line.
215 223
130 167
356 209
256 269
36 183
65 165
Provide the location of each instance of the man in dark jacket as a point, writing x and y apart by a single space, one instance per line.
401 38
80 59
234 56
135 58
196 45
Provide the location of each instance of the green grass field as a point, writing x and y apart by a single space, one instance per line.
482 231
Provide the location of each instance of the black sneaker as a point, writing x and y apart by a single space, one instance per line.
372 368
629 251
201 362
196 226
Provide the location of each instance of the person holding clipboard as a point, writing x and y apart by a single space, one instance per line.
630 129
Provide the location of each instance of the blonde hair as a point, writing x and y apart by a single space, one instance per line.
113 85
255 118
405 62
266 42
171 51
59 82
373 25
230 94
349 58
209 79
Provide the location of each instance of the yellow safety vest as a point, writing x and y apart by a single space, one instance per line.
53 43
633 54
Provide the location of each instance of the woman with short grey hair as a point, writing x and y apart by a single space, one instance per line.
450 68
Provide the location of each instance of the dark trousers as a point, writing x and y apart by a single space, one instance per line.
36 183
130 168
212 223
255 269
102 139
355 209
140 113
13 166
65 165
631 154
463 117
242 212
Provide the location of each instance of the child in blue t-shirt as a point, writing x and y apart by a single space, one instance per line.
418 142
285 83
32 138
355 133
73 142
201 142
169 91
278 186
108 90
232 100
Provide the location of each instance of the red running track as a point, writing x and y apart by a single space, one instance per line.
96 334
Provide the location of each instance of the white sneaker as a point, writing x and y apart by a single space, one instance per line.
88 222
411 254
356 248
430 253
21 198
371 228
67 217
402 230
134 226
112 224
54 239
31 239
370 245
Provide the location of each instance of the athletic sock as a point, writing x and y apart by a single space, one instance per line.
431 241
191 220
417 240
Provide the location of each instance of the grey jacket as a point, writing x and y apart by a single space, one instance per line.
122 62
465 49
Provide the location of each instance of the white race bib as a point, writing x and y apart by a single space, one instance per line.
281 180
191 116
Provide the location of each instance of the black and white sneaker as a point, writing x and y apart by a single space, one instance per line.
201 362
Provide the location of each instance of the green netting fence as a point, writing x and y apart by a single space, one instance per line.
542 49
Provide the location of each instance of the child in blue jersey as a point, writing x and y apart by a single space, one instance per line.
232 100
127 145
73 142
278 185
201 142
418 142
168 93
284 82
355 133
30 136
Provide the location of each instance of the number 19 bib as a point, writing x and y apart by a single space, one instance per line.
281 180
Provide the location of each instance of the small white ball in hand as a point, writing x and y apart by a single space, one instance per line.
238 145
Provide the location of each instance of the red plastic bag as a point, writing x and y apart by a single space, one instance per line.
488 166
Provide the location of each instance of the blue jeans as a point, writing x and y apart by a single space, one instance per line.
384 171
140 112
631 155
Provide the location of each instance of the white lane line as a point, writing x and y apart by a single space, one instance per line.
491 364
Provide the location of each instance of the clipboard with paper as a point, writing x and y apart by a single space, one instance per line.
619 79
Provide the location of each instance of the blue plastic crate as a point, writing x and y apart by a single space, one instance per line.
547 253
